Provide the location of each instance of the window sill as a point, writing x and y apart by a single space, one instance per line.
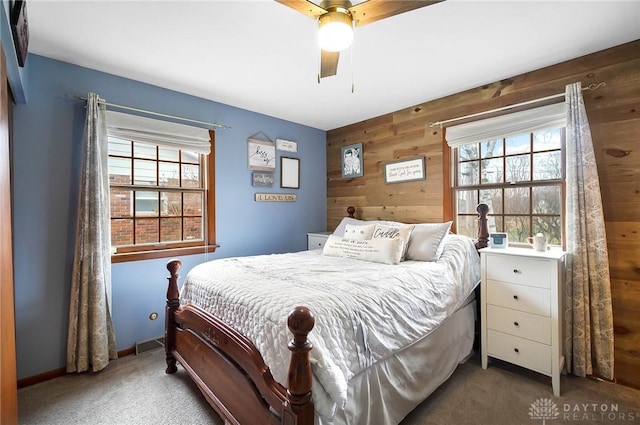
161 253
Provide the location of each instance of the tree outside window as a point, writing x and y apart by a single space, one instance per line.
520 177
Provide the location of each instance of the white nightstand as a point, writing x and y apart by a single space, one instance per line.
316 240
521 309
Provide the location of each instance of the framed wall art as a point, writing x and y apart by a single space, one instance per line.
405 170
262 155
289 172
286 145
262 178
20 30
352 161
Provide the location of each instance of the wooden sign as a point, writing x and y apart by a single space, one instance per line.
275 197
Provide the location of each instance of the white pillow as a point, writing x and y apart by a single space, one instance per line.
386 251
339 231
426 243
358 233
402 232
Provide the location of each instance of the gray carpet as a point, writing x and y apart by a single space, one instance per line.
135 390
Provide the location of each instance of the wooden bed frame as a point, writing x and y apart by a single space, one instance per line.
228 368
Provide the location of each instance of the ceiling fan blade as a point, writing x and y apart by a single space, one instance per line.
328 63
375 10
305 7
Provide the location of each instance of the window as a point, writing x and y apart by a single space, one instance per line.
161 199
520 176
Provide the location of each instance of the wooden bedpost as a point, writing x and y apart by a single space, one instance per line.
483 228
173 302
351 211
300 323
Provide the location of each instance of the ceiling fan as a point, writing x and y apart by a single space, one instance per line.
337 18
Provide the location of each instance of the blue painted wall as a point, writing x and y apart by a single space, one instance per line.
46 162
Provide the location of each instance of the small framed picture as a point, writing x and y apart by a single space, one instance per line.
352 161
261 179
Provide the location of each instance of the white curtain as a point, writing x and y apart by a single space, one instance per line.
588 317
91 337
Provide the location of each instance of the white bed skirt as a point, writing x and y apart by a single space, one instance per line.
389 390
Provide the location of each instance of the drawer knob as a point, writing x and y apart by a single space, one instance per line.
515 297
516 271
516 350
516 324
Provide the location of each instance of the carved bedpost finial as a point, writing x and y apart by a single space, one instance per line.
172 291
483 228
351 211
300 322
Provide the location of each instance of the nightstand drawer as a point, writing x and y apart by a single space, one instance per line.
520 351
316 241
521 270
519 323
519 297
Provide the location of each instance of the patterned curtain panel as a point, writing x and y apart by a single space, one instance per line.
588 317
91 338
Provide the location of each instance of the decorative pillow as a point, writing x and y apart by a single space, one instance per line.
386 251
339 231
402 232
426 243
358 233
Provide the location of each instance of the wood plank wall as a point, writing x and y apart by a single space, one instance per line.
614 114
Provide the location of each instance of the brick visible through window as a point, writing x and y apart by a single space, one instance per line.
158 197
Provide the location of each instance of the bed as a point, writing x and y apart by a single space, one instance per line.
318 337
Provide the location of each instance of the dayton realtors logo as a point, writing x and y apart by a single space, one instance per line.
545 409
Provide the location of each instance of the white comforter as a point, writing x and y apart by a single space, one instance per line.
364 311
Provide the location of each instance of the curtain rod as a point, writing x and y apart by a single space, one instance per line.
129 108
542 99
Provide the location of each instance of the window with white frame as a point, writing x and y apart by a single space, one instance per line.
515 165
161 186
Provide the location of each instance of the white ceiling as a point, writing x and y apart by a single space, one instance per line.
262 56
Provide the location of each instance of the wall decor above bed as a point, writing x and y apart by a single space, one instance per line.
405 170
352 161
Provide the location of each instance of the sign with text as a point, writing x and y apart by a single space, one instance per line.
275 197
404 171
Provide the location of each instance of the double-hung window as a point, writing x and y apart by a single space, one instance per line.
161 187
515 165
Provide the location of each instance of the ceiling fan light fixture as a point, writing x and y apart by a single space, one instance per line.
335 31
